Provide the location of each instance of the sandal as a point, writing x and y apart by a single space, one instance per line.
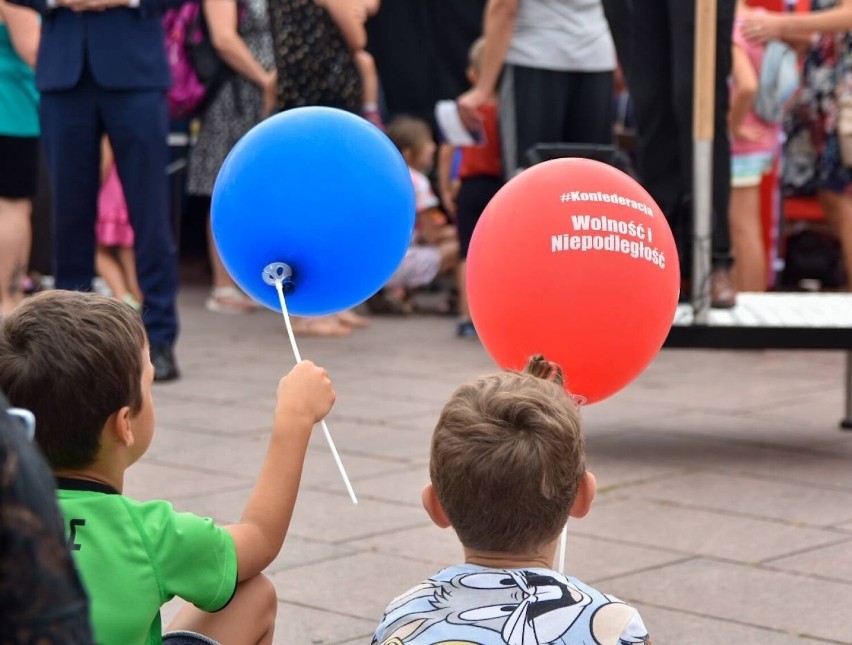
229 300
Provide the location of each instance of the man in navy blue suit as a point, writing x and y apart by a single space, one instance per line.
102 69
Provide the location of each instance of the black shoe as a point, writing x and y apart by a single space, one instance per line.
165 367
466 329
723 293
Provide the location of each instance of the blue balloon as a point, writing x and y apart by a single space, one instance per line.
322 191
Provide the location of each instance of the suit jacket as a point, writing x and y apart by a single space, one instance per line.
123 47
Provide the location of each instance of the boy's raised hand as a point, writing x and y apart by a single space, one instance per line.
306 391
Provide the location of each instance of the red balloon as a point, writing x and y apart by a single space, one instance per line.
573 259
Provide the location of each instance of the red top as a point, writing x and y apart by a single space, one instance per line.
484 159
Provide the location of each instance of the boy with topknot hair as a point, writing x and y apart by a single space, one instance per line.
507 469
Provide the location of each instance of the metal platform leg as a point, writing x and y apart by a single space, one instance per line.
846 424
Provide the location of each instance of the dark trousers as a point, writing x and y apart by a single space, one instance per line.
546 106
660 77
136 122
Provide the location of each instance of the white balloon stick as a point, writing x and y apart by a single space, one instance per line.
279 286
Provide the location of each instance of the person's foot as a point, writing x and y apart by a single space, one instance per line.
351 319
466 329
129 299
723 293
165 366
390 301
229 300
327 326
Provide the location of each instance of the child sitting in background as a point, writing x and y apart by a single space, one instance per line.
507 469
114 258
434 247
80 362
480 176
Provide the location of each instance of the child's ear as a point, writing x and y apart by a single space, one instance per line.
433 507
472 76
585 496
118 425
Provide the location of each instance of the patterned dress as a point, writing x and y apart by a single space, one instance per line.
315 65
237 107
812 152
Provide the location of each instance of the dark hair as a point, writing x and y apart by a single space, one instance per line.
73 359
507 458
408 133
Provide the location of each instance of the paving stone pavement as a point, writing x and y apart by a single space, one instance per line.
725 504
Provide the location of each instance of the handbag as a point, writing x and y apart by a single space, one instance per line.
779 79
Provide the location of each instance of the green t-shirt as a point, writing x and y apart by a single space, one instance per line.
135 556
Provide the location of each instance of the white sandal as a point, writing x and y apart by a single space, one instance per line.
229 300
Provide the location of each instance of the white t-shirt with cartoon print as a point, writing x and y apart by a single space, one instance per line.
469 604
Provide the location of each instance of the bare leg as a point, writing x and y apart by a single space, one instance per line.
838 213
370 82
464 310
369 77
747 239
226 296
220 273
449 250
127 260
109 269
249 619
14 239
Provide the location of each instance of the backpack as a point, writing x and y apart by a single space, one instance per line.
779 80
197 70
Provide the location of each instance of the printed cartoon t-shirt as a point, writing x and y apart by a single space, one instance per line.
469 604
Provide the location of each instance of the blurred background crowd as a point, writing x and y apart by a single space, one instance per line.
116 115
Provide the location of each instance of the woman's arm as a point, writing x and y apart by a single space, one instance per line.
498 27
345 14
24 30
762 26
742 93
221 18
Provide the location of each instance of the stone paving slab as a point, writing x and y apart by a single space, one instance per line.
725 488
673 626
789 603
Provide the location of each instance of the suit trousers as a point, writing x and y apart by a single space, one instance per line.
659 71
136 122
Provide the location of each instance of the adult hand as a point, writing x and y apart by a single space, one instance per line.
747 134
73 5
269 87
94 5
760 26
469 104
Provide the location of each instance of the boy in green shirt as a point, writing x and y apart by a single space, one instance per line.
80 362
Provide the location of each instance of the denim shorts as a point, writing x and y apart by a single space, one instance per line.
183 637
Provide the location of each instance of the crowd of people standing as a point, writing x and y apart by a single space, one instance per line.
544 73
